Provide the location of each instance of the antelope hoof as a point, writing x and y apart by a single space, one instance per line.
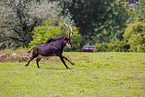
26 65
72 63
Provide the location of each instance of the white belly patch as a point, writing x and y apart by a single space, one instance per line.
40 56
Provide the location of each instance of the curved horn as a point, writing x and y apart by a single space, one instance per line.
70 35
68 29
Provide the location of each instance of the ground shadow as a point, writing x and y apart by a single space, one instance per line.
58 68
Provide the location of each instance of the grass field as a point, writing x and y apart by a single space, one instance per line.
108 74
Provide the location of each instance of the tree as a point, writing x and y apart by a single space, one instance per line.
19 17
138 13
113 28
87 14
98 20
15 19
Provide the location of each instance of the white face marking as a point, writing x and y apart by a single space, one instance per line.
68 44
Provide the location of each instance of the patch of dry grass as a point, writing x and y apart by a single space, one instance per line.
14 56
20 56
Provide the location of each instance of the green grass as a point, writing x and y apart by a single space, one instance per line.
107 74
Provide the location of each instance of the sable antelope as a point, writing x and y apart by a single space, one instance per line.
53 47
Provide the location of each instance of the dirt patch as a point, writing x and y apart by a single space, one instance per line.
20 56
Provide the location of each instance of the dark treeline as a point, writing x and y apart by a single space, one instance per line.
99 22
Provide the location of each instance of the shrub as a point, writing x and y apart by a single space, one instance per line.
102 47
114 46
53 28
135 36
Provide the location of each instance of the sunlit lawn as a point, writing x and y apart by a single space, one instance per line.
107 74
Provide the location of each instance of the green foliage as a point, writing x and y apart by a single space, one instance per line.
113 46
138 14
99 20
18 18
86 14
117 15
114 27
135 36
103 47
52 28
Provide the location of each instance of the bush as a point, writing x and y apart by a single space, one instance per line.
53 28
135 36
114 46
102 47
